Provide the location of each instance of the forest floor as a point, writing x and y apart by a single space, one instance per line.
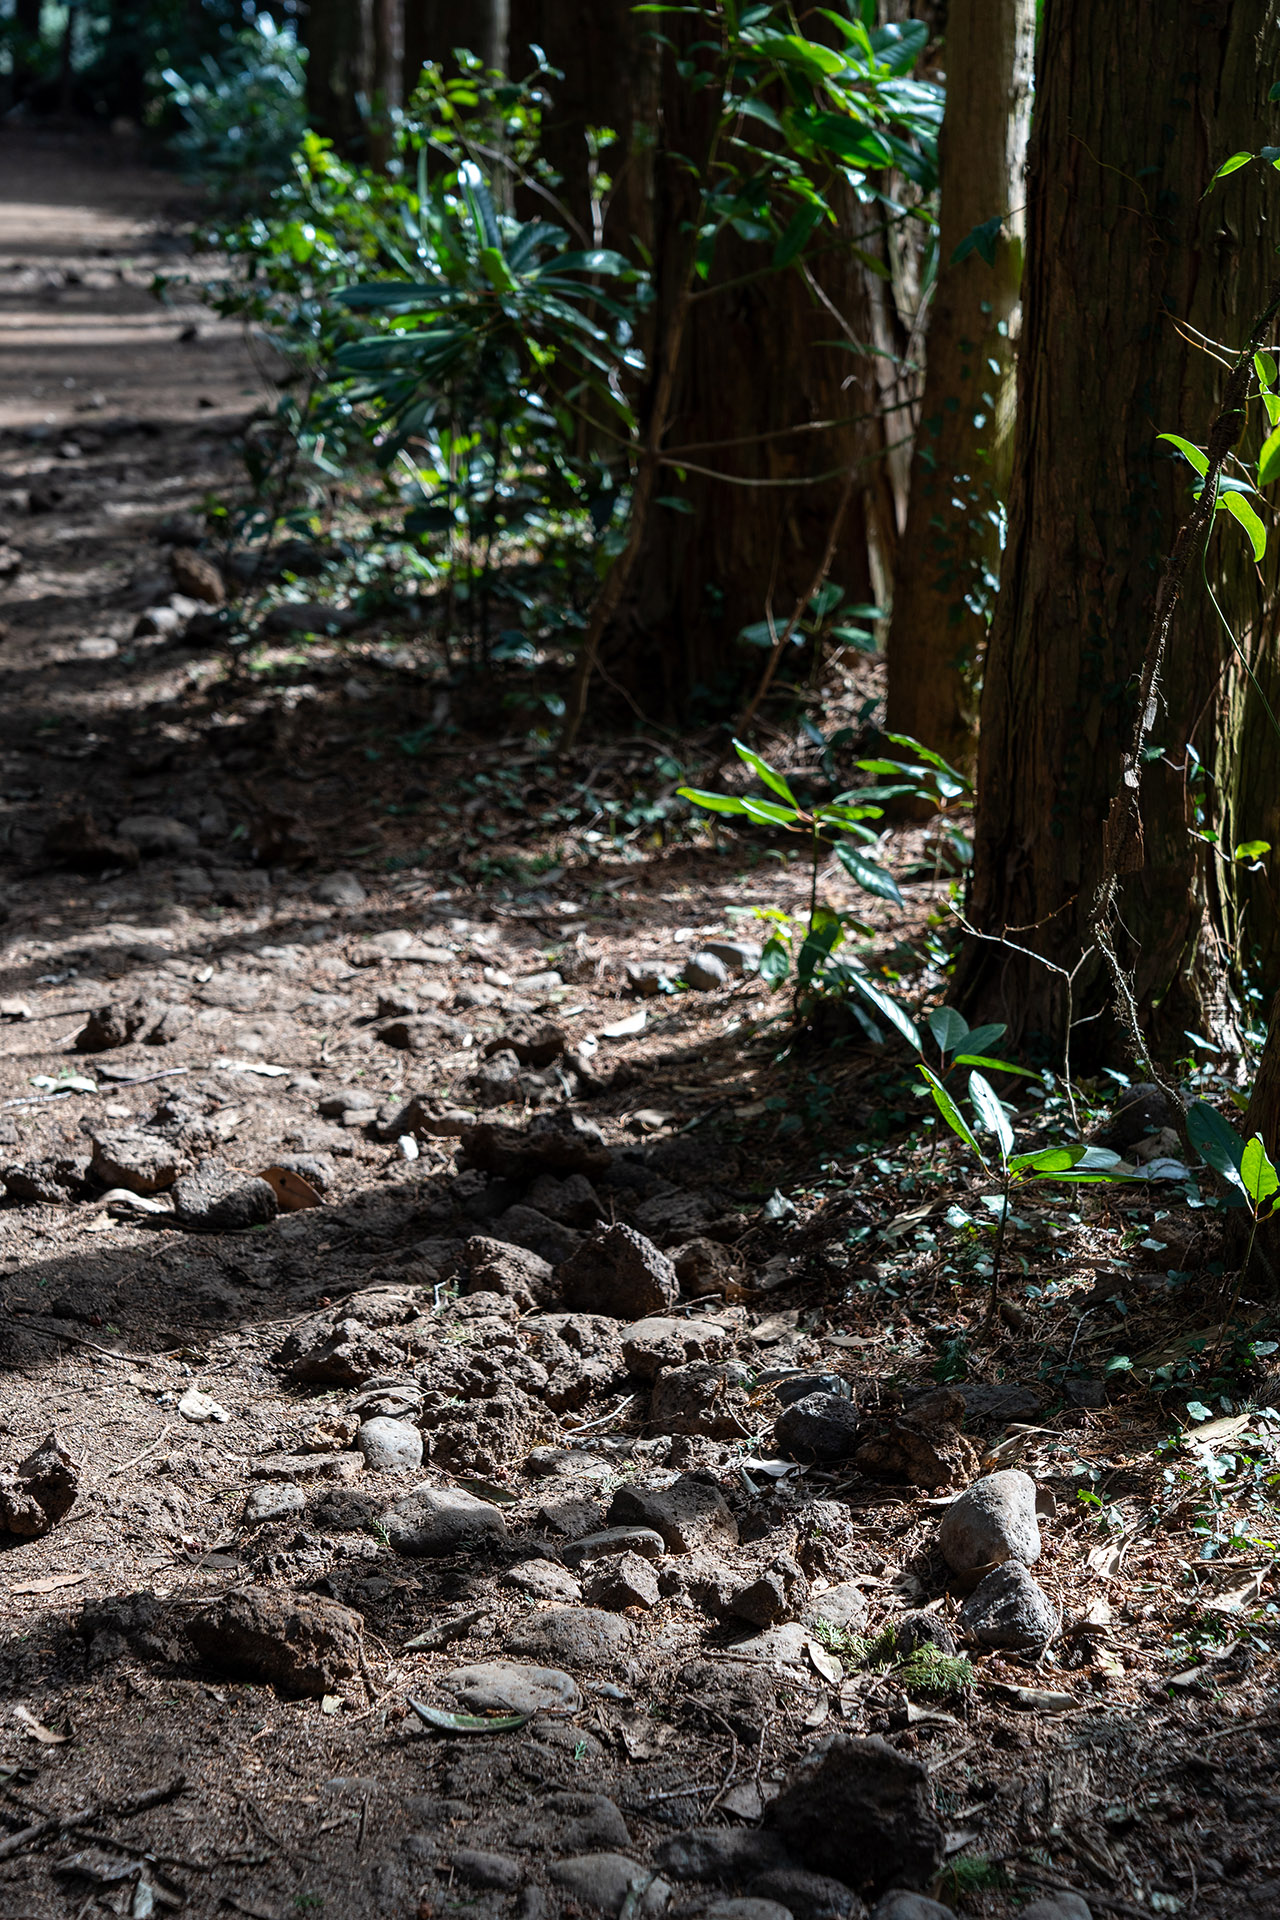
392 977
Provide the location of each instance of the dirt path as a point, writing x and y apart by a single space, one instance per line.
222 863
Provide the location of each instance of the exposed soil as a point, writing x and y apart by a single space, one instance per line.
245 936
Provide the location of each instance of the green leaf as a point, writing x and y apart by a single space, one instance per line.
948 1028
990 1113
713 802
1232 165
892 1012
1200 461
1240 510
993 1066
1047 1160
467 1722
870 876
799 231
1251 849
791 50
1257 1175
775 961
980 240
978 1039
819 943
674 503
494 267
763 771
1269 459
770 811
951 1113
1264 365
1216 1141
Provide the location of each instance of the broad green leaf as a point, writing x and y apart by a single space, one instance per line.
1251 849
791 50
993 1066
1200 461
1269 459
1240 510
870 876
763 771
713 802
951 1113
446 1722
769 810
981 240
948 1028
1047 1160
892 1012
1232 165
494 266
1257 1175
775 962
990 1112
978 1039
1216 1141
820 942
797 236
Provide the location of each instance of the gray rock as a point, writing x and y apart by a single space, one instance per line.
620 1273
525 1227
863 1813
1141 1110
157 833
43 1487
438 1520
300 1642
1057 1906
809 1896
574 1202
591 1822
602 1881
992 1521
216 1199
1008 1609
822 1426
739 956
576 1636
789 1387
841 1606
777 1594
623 1580
348 1100
491 1266
390 1446
304 1469
701 1398
745 1909
663 1341
688 1514
497 1870
721 1853
338 890
544 1579
559 1143
344 1355
899 1904
647 977
704 972
140 1162
273 1501
920 1629
645 1541
511 1686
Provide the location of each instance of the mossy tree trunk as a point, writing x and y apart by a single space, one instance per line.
1127 256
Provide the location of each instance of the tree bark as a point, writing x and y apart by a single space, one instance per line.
340 71
433 29
388 77
1124 247
950 554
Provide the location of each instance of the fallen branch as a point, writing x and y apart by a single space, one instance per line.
56 1823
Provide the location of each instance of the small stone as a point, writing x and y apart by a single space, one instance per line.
821 1426
140 1162
439 1520
661 1341
689 1514
497 1870
158 833
1008 1609
544 1579
339 890
704 972
720 1853
348 1100
994 1520
1141 1110
618 1272
510 1686
198 1407
272 1502
303 1468
575 1636
739 956
345 1355
808 1896
701 1399
390 1446
863 1813
40 1490
216 1199
591 1820
745 1909
920 1629
603 1881
301 1643
647 977
491 1266
649 1544
623 1580
559 1143
840 1606
899 1904
778 1594
196 574
1057 1906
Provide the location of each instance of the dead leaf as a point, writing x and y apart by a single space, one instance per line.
622 1029
445 1722
50 1584
816 1715
36 1730
1033 1699
11 1009
292 1192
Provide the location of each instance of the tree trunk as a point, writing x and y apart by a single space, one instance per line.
950 553
433 29
388 77
340 71
1134 111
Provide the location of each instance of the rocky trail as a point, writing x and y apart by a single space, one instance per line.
457 1453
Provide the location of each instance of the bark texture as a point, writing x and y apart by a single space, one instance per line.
339 71
1133 115
950 553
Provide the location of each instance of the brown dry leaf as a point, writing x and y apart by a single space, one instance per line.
36 1730
50 1584
827 1664
292 1192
